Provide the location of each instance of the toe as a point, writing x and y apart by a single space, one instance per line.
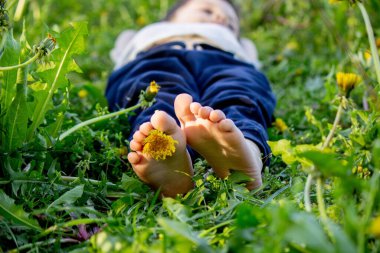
182 108
226 125
194 107
204 112
133 158
138 136
164 122
217 115
145 128
135 146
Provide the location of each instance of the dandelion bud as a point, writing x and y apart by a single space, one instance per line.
152 90
158 145
347 82
147 96
46 46
378 42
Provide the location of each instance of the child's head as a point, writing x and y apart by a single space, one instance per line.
221 12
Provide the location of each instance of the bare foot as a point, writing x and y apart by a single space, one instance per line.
218 140
172 175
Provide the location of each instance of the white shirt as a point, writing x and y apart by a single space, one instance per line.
129 44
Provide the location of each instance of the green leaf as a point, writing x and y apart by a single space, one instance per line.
343 242
289 153
53 129
105 241
15 213
329 163
9 57
70 43
16 120
284 148
376 153
177 210
183 235
306 231
246 216
68 197
131 184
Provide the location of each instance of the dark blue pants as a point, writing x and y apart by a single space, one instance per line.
211 76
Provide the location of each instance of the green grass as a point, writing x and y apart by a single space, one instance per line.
80 194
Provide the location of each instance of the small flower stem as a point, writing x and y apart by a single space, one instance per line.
322 209
334 127
372 42
321 201
31 60
307 200
325 145
97 119
92 181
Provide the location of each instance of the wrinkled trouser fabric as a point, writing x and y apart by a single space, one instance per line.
211 76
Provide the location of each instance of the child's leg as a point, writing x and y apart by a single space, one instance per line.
174 174
218 140
247 102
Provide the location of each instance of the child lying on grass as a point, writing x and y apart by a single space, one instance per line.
195 55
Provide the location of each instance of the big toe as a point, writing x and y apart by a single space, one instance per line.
226 125
182 108
164 122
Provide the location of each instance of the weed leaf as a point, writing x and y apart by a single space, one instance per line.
70 43
329 163
16 120
9 57
68 197
305 230
9 210
183 235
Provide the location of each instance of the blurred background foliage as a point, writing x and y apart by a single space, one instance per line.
302 44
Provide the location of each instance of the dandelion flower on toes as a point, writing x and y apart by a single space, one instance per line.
158 145
159 156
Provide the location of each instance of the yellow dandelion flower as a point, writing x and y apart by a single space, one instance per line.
141 20
158 145
347 81
374 227
82 93
292 45
334 1
367 55
280 125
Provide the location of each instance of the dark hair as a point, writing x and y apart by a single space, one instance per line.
180 3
